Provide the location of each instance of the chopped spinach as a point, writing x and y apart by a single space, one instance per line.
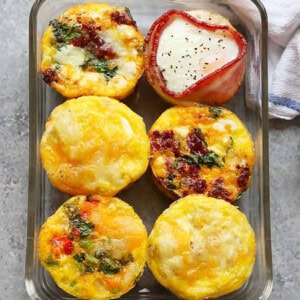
51 261
127 10
110 266
191 159
64 33
72 211
80 257
100 66
210 159
89 269
215 111
91 260
85 227
169 182
198 132
100 253
87 243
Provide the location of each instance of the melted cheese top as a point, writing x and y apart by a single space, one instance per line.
187 53
94 145
201 247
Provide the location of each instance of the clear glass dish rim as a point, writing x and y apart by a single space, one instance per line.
33 144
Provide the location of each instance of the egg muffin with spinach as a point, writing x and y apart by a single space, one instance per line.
94 247
93 49
203 150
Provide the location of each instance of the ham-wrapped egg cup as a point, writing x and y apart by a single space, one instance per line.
194 57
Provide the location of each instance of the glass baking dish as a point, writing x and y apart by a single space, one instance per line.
250 104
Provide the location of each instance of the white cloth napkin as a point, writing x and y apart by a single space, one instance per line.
284 58
283 54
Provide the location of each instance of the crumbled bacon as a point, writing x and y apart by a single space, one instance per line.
122 18
164 140
50 75
196 144
243 178
218 191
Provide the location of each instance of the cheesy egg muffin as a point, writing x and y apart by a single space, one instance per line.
94 247
93 49
201 247
203 150
94 145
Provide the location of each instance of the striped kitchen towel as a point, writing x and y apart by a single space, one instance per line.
284 58
283 53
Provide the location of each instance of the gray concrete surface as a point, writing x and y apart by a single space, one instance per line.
284 170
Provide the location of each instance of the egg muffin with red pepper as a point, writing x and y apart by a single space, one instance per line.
93 49
94 247
94 145
201 247
201 149
194 57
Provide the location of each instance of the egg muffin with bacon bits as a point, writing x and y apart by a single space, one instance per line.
201 149
201 248
94 247
93 49
94 145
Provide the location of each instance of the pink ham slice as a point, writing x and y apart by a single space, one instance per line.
214 88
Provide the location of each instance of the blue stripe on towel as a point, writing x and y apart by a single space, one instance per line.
290 103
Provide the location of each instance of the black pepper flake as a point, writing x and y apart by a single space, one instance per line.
206 63
209 39
195 77
209 19
223 47
220 40
187 39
